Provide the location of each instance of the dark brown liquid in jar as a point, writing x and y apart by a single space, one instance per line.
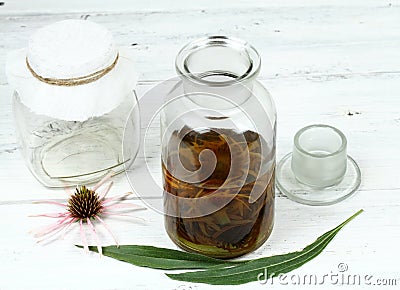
242 224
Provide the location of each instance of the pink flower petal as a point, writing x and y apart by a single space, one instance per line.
108 229
110 213
116 198
83 238
51 215
68 189
103 195
63 228
125 206
52 232
53 227
102 181
49 202
99 249
67 227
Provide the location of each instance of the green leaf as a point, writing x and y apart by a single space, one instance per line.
161 258
274 265
215 271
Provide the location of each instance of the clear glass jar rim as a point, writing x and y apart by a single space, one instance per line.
215 41
342 137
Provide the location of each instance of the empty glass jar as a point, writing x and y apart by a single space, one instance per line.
218 130
74 91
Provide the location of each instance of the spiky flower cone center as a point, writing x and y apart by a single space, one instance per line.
84 203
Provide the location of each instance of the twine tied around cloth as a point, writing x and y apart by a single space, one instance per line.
73 81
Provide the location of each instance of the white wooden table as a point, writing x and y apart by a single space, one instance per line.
333 62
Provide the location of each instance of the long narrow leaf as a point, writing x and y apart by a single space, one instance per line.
215 271
161 258
274 265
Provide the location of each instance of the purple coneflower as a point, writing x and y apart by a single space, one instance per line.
84 206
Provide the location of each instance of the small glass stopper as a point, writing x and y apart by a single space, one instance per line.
318 171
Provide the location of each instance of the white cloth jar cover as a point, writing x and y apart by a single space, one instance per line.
68 50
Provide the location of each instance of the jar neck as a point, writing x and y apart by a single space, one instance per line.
220 66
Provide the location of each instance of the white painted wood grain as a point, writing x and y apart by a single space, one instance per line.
293 41
51 6
321 60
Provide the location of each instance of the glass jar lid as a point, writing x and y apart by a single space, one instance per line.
318 171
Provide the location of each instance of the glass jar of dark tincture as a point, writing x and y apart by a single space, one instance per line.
218 130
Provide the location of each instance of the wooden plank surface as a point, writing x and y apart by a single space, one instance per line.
321 61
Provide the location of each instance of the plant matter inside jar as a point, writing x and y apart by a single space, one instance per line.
242 182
